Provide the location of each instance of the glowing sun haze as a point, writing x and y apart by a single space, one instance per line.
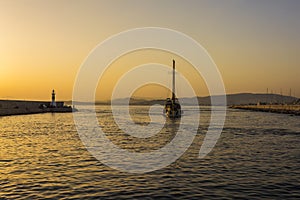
254 43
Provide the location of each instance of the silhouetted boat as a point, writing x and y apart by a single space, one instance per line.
172 106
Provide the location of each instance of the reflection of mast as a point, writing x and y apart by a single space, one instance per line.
173 84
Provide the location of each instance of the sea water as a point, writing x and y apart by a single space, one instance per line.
257 156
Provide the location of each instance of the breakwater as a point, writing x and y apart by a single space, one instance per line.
18 107
284 109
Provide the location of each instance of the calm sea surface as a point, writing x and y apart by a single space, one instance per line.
256 157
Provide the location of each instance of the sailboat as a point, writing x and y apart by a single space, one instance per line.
172 107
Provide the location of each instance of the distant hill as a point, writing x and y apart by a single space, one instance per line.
232 99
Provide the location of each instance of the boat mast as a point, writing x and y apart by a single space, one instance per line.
173 84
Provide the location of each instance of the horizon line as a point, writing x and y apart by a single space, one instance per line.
144 98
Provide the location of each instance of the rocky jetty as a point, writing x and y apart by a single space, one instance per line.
284 109
18 107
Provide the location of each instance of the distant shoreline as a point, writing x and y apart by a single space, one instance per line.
268 102
232 99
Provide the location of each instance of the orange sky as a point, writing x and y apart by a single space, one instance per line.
255 44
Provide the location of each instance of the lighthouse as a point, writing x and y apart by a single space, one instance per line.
53 103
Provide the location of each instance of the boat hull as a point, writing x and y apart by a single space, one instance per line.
172 109
173 113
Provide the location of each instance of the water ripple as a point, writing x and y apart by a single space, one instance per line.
257 157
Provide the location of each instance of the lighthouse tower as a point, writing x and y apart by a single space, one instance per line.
53 103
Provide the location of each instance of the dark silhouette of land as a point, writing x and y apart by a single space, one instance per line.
232 99
258 102
18 107
282 109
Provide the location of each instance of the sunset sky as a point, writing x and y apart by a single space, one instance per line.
255 43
